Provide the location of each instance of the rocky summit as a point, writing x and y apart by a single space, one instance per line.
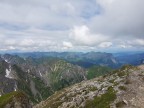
122 88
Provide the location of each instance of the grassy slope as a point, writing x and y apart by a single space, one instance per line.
7 98
96 71
102 101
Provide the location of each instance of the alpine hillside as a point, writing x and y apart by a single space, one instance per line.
41 77
122 88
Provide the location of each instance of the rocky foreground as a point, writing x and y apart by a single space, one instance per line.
123 88
16 99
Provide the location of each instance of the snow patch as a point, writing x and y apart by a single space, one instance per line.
40 73
15 88
113 60
8 73
4 59
28 70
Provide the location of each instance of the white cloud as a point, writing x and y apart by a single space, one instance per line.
105 44
45 25
136 42
125 46
10 42
120 18
81 35
139 42
67 44
27 42
11 48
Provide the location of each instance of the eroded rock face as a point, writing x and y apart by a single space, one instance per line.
123 88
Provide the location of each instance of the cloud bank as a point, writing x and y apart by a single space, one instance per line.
71 25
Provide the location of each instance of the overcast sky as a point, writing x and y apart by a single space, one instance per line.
71 25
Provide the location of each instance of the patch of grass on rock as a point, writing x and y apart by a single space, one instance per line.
102 101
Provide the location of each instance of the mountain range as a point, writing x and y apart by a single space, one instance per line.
39 76
89 59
